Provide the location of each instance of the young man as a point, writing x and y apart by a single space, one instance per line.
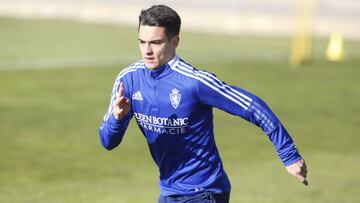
172 103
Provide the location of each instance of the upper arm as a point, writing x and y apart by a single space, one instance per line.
217 93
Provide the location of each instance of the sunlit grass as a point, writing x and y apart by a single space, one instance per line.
49 119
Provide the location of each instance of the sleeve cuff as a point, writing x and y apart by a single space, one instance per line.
117 123
292 159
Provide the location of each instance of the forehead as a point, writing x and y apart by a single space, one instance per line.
147 32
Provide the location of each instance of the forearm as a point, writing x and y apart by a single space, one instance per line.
284 145
251 108
262 116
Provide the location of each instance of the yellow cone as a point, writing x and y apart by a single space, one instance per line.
335 50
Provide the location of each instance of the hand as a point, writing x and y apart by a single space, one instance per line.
121 104
298 169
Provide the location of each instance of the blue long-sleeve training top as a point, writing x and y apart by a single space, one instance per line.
173 109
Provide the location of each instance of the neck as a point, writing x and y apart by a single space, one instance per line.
162 65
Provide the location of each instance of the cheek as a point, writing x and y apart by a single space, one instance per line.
159 52
142 49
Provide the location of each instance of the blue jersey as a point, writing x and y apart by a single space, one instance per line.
173 109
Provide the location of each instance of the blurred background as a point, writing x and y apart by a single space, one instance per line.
272 17
59 59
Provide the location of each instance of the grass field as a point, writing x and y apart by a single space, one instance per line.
50 111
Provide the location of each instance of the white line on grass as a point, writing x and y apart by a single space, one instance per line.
96 61
55 63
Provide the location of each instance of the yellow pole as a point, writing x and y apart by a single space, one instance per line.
302 37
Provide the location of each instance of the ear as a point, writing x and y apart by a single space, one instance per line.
175 41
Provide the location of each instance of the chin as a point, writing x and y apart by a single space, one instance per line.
151 65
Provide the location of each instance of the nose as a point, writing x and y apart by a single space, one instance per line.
148 48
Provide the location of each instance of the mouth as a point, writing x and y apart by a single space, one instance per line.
149 59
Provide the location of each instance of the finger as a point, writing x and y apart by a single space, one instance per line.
118 105
302 179
303 169
303 174
118 101
118 94
127 101
303 164
121 90
305 182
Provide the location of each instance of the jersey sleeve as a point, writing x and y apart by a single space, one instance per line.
236 101
112 130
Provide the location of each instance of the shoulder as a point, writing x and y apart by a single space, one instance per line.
127 75
131 69
190 71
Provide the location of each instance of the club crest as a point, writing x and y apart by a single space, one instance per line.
175 97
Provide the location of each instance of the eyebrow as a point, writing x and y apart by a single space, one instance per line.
151 41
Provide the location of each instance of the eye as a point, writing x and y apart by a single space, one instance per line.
157 42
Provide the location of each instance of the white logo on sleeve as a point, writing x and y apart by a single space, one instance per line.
175 98
137 96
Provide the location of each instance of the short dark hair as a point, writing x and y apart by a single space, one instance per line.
162 16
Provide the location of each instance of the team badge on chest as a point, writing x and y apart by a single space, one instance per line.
175 97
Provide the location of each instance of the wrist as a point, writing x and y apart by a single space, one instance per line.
114 121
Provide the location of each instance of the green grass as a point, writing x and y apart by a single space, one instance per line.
49 119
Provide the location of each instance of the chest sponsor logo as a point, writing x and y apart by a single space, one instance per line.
175 98
170 126
137 96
